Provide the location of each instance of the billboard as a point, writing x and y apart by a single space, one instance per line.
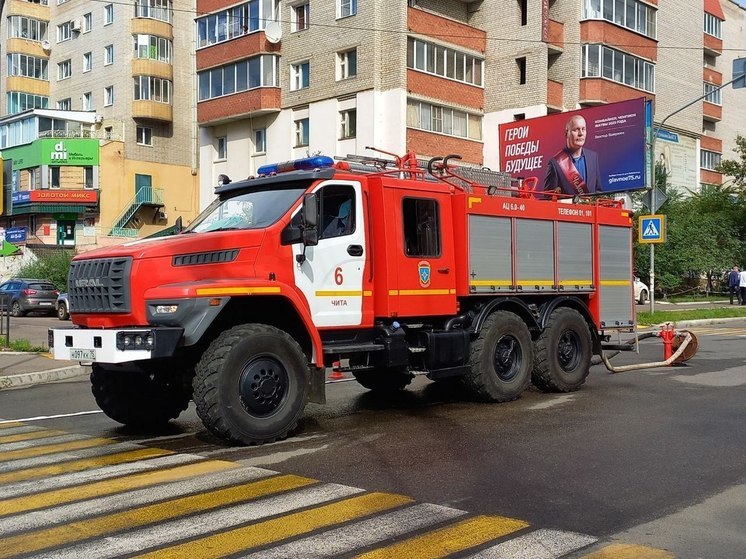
678 156
594 150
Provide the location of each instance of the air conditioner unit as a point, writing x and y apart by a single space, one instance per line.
75 25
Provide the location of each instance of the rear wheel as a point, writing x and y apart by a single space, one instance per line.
562 356
62 313
501 359
384 379
643 297
142 394
251 384
16 310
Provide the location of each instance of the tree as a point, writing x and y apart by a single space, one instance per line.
736 168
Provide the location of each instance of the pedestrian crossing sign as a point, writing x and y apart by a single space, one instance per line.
652 229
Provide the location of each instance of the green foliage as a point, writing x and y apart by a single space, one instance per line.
53 266
736 168
22 345
660 317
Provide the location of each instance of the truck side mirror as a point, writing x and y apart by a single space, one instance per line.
310 211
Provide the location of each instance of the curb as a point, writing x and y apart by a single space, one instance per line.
38 377
697 322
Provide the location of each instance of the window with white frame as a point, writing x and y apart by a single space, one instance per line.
154 9
87 22
108 14
300 75
444 120
257 71
108 96
709 159
444 62
347 124
346 8
88 101
152 47
27 66
64 69
88 176
64 32
600 61
27 28
236 21
144 136
713 26
299 17
346 64
260 140
87 61
632 14
221 148
108 55
149 88
17 102
712 92
301 132
65 104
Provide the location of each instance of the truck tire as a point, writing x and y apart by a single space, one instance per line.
251 385
384 380
501 359
147 394
562 356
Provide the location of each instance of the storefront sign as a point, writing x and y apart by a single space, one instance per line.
81 152
56 196
16 235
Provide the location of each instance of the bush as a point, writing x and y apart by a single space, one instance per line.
53 266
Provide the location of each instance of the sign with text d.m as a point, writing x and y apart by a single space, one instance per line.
652 229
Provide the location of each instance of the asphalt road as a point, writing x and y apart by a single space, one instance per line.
653 457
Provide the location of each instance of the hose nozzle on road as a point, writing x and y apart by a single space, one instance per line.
678 346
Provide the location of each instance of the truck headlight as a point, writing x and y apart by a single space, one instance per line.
140 340
166 309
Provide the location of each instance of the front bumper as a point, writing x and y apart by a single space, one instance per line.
116 345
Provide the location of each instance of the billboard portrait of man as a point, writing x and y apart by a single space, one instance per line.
574 169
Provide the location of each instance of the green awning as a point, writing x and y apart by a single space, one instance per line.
45 208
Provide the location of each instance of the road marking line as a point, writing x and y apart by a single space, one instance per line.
269 531
51 448
54 481
628 551
65 437
363 533
8 422
67 462
540 544
450 539
20 429
208 523
57 497
38 540
30 436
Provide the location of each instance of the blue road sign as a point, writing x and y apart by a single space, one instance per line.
739 73
652 229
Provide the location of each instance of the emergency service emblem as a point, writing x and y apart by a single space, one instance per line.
424 269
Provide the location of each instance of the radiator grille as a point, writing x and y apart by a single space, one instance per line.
100 285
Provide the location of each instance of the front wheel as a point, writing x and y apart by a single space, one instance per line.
62 313
501 359
16 309
251 384
643 297
563 353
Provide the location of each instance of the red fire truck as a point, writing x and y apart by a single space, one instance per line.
383 266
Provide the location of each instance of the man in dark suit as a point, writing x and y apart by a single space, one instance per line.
574 170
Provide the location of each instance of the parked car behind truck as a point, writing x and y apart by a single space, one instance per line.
24 295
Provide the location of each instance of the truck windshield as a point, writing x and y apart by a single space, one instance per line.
251 210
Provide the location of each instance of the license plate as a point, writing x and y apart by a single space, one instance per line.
46 304
83 354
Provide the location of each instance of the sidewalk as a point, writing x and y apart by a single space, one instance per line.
23 369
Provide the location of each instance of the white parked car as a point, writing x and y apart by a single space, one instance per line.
642 294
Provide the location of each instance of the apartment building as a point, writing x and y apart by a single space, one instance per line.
97 132
281 79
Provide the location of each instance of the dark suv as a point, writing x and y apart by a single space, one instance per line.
23 295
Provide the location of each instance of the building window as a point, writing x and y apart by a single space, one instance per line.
152 47
108 55
108 132
221 148
64 32
27 66
65 104
260 140
346 8
88 177
109 96
17 102
632 14
108 14
709 159
521 64
87 22
64 69
144 136
444 62
712 92
258 71
237 21
523 8
154 9
299 75
54 177
87 61
88 101
444 120
346 64
300 17
602 61
421 227
348 124
148 88
713 26
27 28
301 132
32 174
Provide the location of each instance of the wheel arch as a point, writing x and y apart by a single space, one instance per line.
512 304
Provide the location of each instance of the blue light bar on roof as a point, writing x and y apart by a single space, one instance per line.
305 164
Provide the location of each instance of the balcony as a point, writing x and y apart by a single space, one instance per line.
26 46
152 110
712 45
27 85
712 112
599 91
155 68
555 96
251 103
28 9
145 26
712 76
554 36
